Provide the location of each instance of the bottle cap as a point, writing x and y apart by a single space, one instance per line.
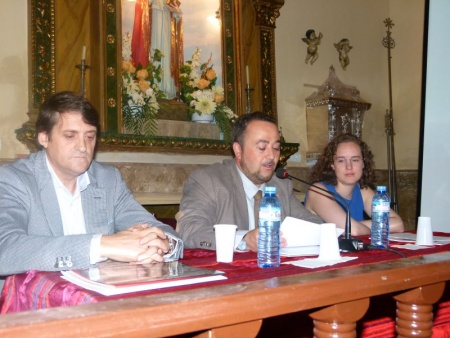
270 190
381 188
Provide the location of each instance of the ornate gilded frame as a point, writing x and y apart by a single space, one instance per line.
43 74
113 138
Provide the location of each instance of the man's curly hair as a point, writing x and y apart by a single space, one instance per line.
323 172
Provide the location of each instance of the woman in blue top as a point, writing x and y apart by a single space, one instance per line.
346 167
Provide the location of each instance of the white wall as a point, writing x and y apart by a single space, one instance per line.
435 199
13 75
360 21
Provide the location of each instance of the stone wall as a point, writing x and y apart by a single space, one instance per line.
163 178
169 178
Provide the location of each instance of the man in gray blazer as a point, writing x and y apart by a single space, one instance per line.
224 192
61 210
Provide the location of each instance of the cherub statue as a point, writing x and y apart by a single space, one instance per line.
343 48
313 42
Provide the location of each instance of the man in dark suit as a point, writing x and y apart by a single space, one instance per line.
224 192
61 210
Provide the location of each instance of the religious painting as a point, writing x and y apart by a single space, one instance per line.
172 69
177 31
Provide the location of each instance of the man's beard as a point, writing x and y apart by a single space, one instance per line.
256 177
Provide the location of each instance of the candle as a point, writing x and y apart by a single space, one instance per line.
83 54
247 74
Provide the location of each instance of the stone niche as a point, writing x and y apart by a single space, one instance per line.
187 129
173 122
333 109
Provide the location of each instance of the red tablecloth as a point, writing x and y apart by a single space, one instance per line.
39 290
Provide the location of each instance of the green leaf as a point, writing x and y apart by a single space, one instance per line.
141 120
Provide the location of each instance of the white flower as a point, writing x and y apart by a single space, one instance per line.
203 102
229 113
196 56
126 47
217 90
137 98
203 93
195 65
153 103
149 93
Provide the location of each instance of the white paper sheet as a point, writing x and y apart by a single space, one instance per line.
302 233
295 251
409 246
313 263
408 237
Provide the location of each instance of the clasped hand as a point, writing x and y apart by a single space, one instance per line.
138 244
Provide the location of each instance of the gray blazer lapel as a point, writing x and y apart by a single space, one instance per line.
240 201
48 193
51 210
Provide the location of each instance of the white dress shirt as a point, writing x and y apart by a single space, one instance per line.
250 190
71 210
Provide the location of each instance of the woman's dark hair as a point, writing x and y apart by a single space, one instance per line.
323 172
63 102
240 126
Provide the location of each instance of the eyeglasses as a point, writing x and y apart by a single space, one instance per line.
355 160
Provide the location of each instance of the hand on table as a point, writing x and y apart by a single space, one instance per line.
138 244
251 238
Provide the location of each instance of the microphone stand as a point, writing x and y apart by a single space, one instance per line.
347 243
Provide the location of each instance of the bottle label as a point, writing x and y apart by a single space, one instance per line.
270 214
381 206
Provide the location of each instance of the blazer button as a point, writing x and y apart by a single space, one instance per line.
208 244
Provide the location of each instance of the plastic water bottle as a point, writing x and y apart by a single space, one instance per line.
381 213
269 229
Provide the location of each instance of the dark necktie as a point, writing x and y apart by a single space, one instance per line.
257 199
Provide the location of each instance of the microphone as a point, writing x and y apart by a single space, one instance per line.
347 243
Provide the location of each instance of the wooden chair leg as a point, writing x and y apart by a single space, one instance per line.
339 320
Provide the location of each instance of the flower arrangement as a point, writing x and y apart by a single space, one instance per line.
140 92
198 89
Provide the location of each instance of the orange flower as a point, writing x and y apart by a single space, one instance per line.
210 74
202 84
143 85
142 74
128 66
218 98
